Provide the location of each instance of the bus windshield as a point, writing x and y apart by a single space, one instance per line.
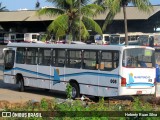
98 37
114 39
122 40
144 58
106 38
143 40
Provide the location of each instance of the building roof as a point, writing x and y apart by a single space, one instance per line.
132 14
29 15
25 15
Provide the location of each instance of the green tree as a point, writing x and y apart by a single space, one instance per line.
73 18
114 7
2 8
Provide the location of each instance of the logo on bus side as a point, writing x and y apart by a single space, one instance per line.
142 77
132 77
56 77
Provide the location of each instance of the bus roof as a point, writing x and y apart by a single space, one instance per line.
75 46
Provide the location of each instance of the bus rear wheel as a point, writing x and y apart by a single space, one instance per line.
75 93
21 84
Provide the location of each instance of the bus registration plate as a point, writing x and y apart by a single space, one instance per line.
139 92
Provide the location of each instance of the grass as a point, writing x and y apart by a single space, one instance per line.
80 110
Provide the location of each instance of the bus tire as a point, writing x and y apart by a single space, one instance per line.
21 84
75 93
47 90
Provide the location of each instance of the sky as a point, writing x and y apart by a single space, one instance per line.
30 4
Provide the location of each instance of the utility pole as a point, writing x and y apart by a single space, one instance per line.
79 20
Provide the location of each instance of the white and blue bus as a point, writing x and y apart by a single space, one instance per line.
94 70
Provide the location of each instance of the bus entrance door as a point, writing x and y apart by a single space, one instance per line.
8 65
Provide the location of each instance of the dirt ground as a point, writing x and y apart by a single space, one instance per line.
9 93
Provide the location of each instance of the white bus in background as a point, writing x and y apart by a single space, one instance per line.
117 39
147 39
106 39
98 39
13 37
31 37
156 37
102 39
133 37
94 70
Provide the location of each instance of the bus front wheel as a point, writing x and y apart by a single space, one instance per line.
21 84
75 93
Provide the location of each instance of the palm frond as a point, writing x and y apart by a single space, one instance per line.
60 32
91 10
91 24
70 2
50 11
60 24
59 3
56 2
114 6
143 5
85 2
108 20
2 8
80 29
84 31
86 12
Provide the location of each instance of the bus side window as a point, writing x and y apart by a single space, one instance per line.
44 56
90 60
60 57
109 60
20 55
32 56
74 59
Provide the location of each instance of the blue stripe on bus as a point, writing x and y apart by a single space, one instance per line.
92 73
66 75
139 84
79 74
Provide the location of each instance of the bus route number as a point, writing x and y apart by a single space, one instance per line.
113 81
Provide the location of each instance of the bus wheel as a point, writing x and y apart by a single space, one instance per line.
75 91
47 90
21 84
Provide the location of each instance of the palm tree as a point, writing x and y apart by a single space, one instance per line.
2 8
37 5
114 7
72 17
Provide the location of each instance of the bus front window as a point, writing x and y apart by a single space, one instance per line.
114 39
143 40
106 38
139 58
